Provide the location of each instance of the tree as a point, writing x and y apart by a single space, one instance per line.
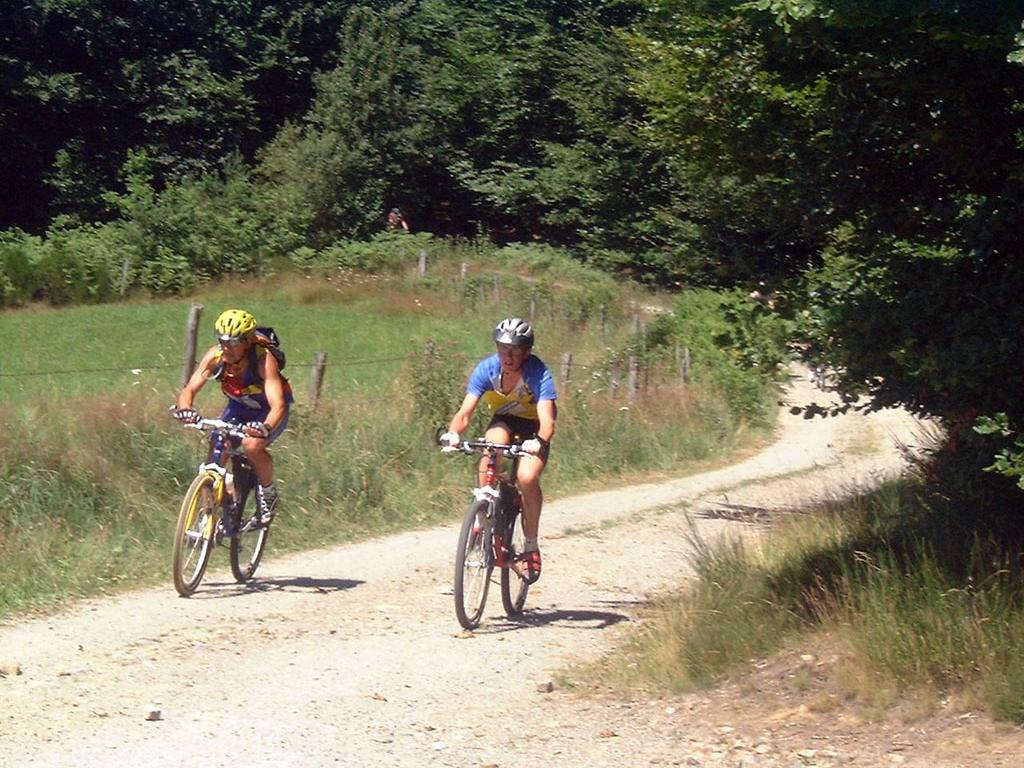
364 135
84 82
880 143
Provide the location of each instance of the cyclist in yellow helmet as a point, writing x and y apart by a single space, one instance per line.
259 396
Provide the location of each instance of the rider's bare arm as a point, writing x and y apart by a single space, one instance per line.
198 378
460 421
546 416
274 389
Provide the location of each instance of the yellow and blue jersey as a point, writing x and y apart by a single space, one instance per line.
534 386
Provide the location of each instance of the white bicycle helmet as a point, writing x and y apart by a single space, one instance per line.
514 331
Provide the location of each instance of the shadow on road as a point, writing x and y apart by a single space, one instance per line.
539 617
281 584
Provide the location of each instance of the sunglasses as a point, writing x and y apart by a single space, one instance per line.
231 343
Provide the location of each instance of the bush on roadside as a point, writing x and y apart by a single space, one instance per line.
385 252
20 280
85 264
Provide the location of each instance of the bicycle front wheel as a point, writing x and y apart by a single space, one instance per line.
194 535
246 550
474 561
514 585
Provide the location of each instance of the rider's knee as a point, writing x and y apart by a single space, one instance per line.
253 445
528 477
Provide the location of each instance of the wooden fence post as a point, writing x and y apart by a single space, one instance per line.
634 371
685 371
316 380
124 276
604 322
533 304
566 372
497 289
613 383
421 267
191 330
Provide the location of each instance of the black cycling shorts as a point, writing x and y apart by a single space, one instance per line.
521 429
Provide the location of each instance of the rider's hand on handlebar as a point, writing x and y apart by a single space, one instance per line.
187 415
256 429
449 440
534 445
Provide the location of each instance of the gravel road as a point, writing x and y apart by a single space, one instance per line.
352 655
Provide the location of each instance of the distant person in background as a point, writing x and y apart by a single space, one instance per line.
259 397
396 220
517 387
762 295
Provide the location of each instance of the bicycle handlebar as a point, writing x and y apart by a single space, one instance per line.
233 429
479 446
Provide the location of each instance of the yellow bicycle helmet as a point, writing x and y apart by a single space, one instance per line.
234 324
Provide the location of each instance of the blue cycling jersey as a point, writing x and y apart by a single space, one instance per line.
535 385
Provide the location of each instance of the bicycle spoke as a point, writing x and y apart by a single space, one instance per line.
193 540
514 585
473 565
251 540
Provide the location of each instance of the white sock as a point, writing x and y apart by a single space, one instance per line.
530 545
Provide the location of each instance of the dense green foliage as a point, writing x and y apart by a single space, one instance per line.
87 81
863 159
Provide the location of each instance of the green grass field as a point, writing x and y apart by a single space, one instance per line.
92 467
111 348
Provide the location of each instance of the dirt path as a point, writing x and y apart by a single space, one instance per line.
352 656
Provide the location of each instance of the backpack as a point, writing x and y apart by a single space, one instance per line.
266 338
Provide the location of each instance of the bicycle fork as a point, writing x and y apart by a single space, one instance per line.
494 547
223 500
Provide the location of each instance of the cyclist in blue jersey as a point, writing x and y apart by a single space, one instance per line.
259 397
518 389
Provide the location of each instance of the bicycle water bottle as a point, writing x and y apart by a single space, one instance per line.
229 483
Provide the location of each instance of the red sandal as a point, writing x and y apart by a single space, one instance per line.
528 565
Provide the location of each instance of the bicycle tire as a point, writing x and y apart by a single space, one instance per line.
513 585
194 535
246 550
474 562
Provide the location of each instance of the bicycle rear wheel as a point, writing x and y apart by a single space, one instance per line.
246 550
194 535
474 561
513 585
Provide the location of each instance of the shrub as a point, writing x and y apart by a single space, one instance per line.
734 348
84 264
19 273
386 252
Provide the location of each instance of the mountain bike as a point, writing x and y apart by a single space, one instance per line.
491 536
213 512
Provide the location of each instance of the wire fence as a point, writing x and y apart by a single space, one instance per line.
633 373
165 366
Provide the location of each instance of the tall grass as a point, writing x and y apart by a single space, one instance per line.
91 504
92 468
919 594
